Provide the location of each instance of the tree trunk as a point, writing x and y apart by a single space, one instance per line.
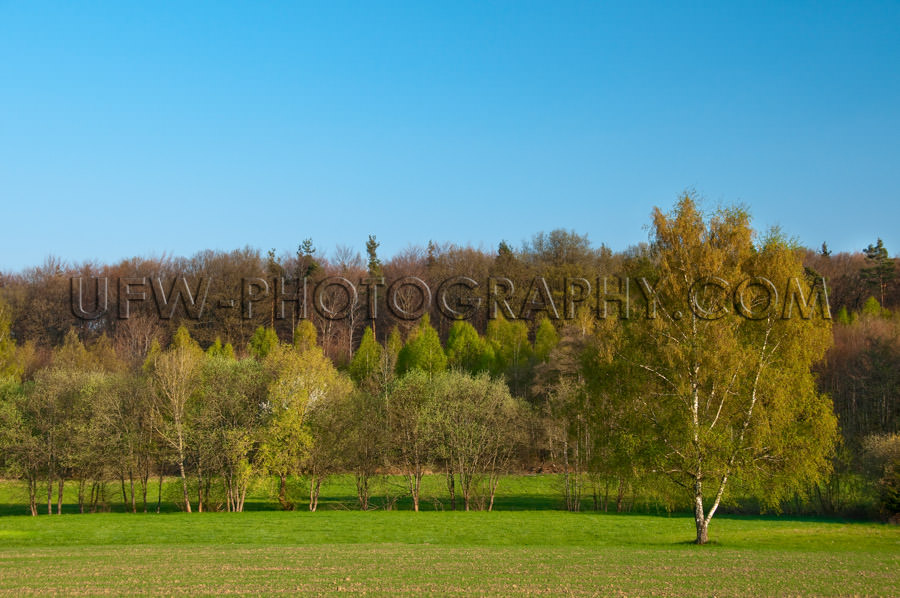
144 480
199 489
133 500
282 494
32 496
159 491
414 488
702 531
95 493
465 481
362 490
620 497
451 487
242 498
184 487
59 495
700 518
493 482
315 483
230 501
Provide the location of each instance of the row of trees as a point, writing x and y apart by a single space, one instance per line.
40 297
698 403
281 410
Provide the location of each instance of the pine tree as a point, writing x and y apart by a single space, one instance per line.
374 264
881 270
306 261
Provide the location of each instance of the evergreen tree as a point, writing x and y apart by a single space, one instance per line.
843 317
422 350
374 264
871 308
468 351
306 261
881 271
367 359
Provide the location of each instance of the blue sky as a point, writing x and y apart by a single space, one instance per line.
174 127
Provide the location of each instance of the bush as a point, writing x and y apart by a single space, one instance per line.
882 453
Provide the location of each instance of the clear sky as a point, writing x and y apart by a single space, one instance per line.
174 127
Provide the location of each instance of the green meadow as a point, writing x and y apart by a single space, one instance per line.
527 547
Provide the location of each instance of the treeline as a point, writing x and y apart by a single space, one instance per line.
606 403
39 298
280 410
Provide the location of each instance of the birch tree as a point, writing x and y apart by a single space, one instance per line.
728 392
176 378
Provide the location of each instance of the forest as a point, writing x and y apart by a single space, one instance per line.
764 413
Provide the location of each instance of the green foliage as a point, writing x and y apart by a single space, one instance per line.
228 422
217 349
152 355
728 397
509 340
422 350
182 339
72 353
307 264
882 454
512 351
305 336
467 350
263 341
394 343
373 263
871 308
881 270
843 317
298 383
478 427
611 403
367 359
545 339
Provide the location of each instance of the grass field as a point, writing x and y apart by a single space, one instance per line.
545 552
